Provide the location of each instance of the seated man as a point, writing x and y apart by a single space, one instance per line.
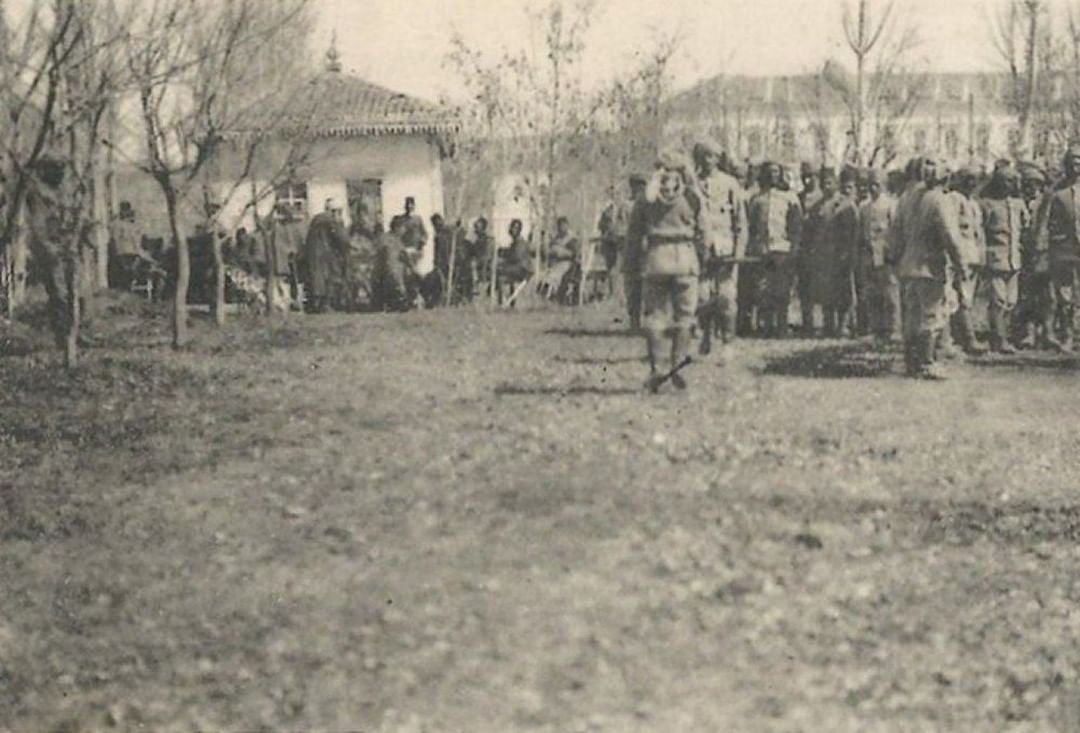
563 268
394 282
516 262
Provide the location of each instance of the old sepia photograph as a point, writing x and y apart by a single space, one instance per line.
540 366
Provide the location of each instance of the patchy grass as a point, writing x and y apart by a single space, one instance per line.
452 521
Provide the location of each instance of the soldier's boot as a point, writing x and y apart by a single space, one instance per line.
911 356
1067 328
968 341
999 332
654 344
944 346
843 323
1025 334
782 328
680 348
705 322
929 366
807 328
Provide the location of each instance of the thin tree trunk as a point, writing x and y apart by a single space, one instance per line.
270 254
219 279
72 282
100 207
183 271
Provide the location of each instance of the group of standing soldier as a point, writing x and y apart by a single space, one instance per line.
883 254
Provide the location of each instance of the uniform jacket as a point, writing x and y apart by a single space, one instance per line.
933 244
323 257
413 233
563 249
833 258
723 204
518 256
668 234
1004 221
1062 219
775 223
969 218
875 223
126 238
903 225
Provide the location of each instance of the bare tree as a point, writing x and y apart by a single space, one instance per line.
1015 32
190 61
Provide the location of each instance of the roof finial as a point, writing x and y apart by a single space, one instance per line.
333 60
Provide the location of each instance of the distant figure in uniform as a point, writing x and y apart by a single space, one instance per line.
775 222
393 280
723 213
809 198
1063 245
411 227
286 235
128 256
444 240
833 260
563 266
1004 221
516 261
882 289
1033 319
633 259
323 257
973 257
481 249
667 225
929 261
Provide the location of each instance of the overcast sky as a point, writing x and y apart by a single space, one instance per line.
402 43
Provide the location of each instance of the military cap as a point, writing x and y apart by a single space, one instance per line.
875 175
806 169
850 174
1002 163
1032 173
636 179
672 160
827 174
706 147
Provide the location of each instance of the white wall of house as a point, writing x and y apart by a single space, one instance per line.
407 165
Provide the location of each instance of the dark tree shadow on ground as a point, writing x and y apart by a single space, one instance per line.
591 332
600 361
510 390
847 361
1030 360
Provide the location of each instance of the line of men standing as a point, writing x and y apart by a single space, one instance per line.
886 254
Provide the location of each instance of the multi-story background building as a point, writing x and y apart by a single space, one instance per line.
963 117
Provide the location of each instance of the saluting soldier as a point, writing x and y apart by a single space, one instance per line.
1004 220
929 261
882 289
724 230
775 222
1063 245
666 223
973 257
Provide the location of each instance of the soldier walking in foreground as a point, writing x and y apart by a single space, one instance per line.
724 219
775 222
929 262
667 225
1063 239
1004 220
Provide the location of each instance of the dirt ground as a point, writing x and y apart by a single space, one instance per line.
469 522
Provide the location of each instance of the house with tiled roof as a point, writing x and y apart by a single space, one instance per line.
361 145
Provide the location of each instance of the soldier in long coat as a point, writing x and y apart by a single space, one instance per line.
724 230
1062 232
1033 319
833 260
323 258
929 262
1004 220
973 257
633 259
667 225
775 224
882 289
